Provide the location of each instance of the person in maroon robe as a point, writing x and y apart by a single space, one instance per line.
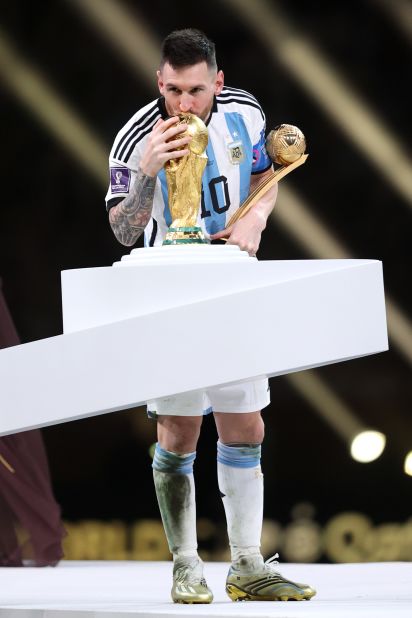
31 530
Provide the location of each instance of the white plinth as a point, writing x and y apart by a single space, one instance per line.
159 326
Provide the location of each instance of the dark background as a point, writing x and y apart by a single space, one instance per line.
53 218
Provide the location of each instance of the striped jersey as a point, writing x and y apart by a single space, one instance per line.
236 149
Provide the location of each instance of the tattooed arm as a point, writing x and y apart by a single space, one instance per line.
129 218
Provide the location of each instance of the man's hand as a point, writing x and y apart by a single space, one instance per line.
245 233
160 149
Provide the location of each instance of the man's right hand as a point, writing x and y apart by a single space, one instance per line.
158 147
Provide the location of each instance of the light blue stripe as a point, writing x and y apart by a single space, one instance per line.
165 461
216 221
239 456
238 131
166 211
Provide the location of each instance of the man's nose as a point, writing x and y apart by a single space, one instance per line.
185 102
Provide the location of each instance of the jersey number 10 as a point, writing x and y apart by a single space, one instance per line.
214 196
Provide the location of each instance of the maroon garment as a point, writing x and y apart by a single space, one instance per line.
30 519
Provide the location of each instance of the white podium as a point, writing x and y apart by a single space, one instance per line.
182 318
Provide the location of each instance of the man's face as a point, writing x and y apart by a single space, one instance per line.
189 89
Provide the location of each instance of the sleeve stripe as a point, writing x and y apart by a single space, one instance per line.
242 102
139 124
137 139
154 233
114 201
262 171
228 90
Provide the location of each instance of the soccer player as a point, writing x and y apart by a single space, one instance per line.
189 82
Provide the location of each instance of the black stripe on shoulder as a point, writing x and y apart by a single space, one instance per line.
135 127
135 139
242 102
228 89
136 135
133 144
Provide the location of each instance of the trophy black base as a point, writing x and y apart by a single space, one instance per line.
185 236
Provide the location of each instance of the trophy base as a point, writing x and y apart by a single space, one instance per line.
184 236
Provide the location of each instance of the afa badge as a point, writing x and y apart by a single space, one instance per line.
236 152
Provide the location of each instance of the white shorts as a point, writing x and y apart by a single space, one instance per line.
240 397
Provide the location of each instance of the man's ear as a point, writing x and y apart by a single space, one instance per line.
220 82
160 81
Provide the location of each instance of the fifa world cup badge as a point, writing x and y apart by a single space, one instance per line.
236 152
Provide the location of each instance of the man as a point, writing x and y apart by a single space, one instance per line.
189 81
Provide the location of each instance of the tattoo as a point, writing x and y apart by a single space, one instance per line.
129 218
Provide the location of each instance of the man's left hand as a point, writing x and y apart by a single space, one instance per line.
245 233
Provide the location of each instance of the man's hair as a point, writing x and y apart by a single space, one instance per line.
183 48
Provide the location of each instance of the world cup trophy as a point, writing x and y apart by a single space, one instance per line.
184 185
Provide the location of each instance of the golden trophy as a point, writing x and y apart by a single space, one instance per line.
184 185
285 145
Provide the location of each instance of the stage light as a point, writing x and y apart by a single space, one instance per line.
368 446
407 466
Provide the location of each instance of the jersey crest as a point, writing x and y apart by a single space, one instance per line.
236 152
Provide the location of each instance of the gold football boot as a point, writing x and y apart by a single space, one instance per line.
256 580
189 585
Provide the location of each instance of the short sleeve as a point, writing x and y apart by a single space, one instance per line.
127 151
261 160
120 180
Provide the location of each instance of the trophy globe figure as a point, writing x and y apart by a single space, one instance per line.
184 185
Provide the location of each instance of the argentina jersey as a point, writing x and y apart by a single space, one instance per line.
235 151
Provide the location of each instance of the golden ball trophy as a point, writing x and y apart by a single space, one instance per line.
184 185
286 146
